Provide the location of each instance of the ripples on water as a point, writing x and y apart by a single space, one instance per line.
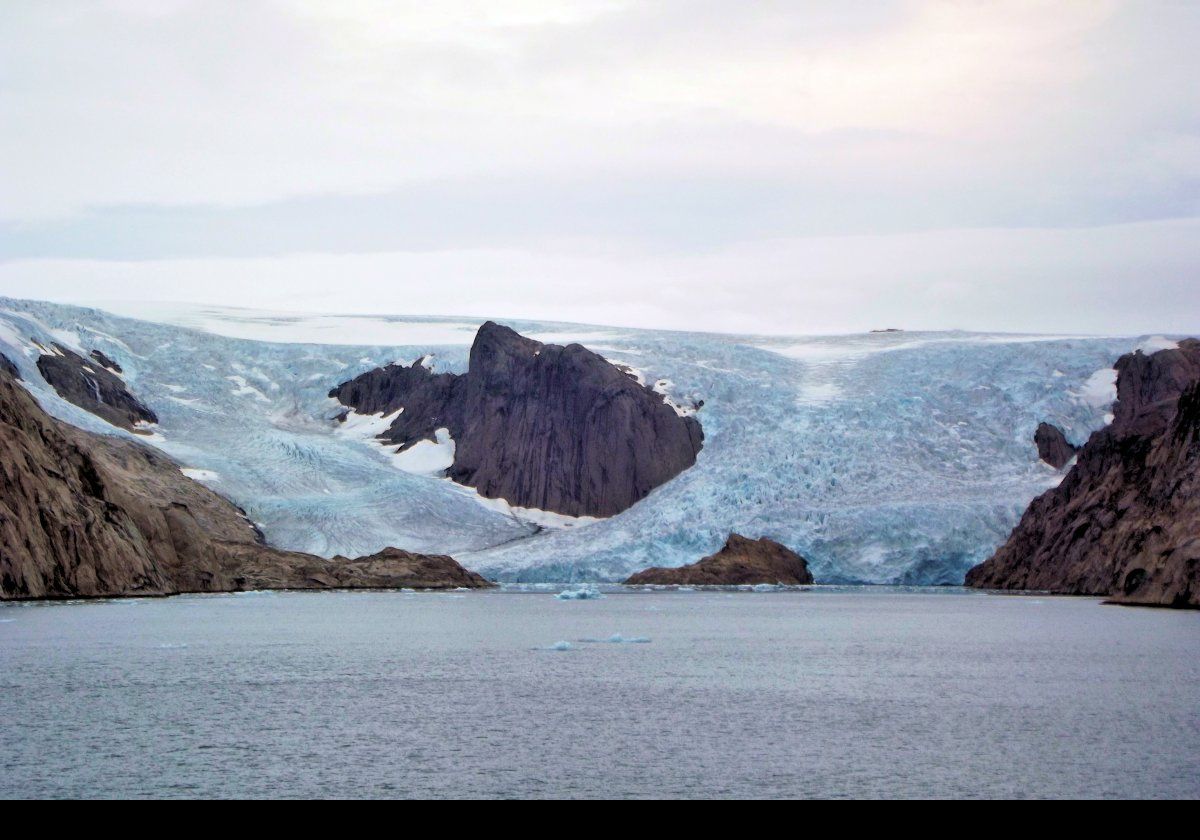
870 692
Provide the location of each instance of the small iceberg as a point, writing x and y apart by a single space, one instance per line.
583 592
618 639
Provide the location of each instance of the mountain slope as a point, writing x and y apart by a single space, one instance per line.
1125 521
886 458
85 515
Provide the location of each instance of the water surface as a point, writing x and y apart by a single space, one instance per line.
828 692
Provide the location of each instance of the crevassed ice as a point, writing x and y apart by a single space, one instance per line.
894 457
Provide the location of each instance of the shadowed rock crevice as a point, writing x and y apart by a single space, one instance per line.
1125 521
87 515
740 562
538 425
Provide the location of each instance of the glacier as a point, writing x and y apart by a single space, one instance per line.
891 457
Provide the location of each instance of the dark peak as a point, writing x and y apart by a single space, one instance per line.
543 426
1149 385
493 337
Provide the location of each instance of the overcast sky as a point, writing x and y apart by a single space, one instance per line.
769 167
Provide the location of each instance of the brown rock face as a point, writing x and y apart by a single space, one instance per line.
1125 521
93 385
539 425
740 562
85 515
1053 446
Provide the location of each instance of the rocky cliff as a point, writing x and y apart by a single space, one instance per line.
1053 446
1125 521
93 385
740 561
539 425
85 515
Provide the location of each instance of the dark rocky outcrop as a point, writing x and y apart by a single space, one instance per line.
6 365
1125 521
105 361
740 561
86 515
1053 446
539 425
93 387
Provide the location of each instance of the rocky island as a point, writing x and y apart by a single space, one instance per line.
1125 521
88 515
740 562
94 386
541 426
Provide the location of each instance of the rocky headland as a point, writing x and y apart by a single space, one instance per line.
1125 521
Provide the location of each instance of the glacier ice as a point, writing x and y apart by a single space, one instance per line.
885 458
582 592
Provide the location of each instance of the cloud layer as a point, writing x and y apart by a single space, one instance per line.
700 148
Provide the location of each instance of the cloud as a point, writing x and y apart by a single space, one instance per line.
706 140
1126 279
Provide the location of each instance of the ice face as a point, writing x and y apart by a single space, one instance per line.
892 457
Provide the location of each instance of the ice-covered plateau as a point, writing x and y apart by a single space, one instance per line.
887 458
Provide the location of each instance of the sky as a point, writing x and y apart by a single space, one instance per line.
762 167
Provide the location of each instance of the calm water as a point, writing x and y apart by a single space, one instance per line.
821 693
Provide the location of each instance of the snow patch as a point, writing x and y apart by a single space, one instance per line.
545 519
200 475
427 457
1100 389
662 388
1157 342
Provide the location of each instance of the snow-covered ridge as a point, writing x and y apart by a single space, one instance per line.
900 457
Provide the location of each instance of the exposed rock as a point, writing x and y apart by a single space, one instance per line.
1125 521
740 561
1053 446
6 365
93 387
539 425
106 361
86 515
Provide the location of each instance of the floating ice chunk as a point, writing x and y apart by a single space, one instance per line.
172 646
560 646
583 592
